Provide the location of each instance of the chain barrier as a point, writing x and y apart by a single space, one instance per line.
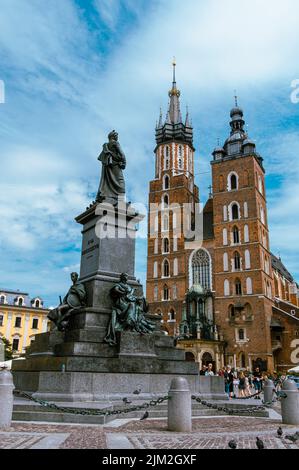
90 411
227 410
248 397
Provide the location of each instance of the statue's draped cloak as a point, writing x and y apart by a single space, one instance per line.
76 296
112 182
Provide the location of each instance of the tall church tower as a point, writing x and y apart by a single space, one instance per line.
167 269
242 260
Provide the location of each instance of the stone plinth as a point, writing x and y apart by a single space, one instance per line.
78 365
212 388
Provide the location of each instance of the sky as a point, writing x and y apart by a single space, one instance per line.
72 70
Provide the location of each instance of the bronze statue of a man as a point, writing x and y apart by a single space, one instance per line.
112 183
74 300
128 311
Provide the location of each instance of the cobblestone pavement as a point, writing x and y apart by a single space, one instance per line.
207 433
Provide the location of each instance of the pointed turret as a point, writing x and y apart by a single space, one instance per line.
238 143
173 128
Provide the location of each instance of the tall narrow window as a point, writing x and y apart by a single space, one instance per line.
235 212
156 246
156 293
166 182
224 213
224 236
172 315
35 323
237 261
165 201
246 234
241 335
249 286
15 344
233 182
225 262
247 259
236 235
165 269
201 270
2 299
165 245
1 320
155 273
175 267
175 244
165 223
226 288
238 287
18 322
165 293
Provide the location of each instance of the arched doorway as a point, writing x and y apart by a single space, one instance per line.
189 357
208 359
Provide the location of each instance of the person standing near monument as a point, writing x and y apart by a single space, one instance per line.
112 183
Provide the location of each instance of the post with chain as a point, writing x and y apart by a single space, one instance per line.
179 406
269 390
6 397
290 404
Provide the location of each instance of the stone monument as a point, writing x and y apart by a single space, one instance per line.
104 344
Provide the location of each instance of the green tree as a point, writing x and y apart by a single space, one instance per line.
7 350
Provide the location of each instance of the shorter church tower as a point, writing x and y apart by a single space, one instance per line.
242 266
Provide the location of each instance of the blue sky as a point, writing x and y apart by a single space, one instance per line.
75 69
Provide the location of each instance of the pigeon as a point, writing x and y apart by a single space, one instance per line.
279 432
127 401
146 415
259 443
232 444
137 392
293 437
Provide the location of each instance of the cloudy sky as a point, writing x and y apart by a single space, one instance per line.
75 69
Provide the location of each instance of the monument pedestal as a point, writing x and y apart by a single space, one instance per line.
77 365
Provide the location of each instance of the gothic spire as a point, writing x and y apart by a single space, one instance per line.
174 104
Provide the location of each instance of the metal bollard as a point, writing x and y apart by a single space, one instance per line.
6 398
269 389
290 404
179 406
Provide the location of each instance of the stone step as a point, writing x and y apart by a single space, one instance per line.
27 411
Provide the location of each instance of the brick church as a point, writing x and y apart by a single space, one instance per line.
211 275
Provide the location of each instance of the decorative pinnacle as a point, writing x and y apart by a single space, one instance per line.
174 66
236 98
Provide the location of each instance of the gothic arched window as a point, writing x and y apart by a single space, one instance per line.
165 245
236 235
166 182
233 182
165 201
165 269
237 261
235 212
165 293
201 269
238 287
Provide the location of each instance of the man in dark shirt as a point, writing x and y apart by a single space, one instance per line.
203 370
257 382
229 381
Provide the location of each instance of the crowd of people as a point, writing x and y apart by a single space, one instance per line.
243 383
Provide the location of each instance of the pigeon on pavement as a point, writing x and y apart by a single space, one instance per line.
259 443
146 415
232 444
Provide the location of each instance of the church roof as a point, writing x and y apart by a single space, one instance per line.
278 265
